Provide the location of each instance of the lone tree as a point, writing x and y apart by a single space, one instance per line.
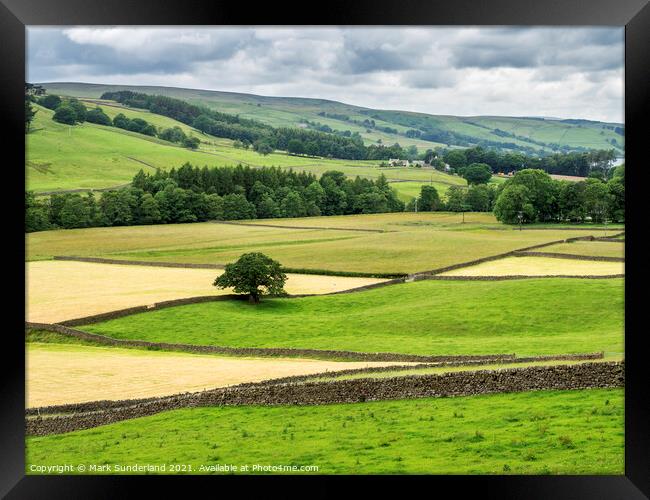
252 271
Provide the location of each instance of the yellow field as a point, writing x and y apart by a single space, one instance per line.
60 290
539 266
61 374
593 248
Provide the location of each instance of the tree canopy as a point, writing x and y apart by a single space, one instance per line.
254 274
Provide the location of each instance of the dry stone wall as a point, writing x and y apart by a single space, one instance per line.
556 255
260 351
468 383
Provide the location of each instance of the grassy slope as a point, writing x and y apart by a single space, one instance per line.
551 316
93 156
556 432
413 242
285 111
86 156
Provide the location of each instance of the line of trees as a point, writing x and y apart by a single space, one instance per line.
597 163
192 194
264 138
533 196
72 111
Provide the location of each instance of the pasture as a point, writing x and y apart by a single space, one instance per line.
60 290
539 432
410 242
525 317
289 112
539 266
68 373
91 156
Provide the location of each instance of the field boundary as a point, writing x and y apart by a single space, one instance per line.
424 366
126 262
200 299
83 190
183 265
558 255
452 384
425 274
89 406
277 226
258 351
518 277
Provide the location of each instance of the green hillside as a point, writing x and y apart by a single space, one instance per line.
535 133
90 156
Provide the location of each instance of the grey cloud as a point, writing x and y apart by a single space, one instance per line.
449 70
579 48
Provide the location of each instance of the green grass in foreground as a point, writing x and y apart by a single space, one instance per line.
548 432
526 317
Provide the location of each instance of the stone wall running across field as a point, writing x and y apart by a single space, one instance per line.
519 277
464 383
556 255
277 226
261 351
101 260
107 404
424 274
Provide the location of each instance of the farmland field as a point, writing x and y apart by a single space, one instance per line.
593 248
90 156
539 432
526 317
66 373
539 266
60 290
288 111
411 242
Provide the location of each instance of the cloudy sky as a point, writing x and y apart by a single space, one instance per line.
555 72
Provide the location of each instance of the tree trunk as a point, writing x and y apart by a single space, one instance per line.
253 299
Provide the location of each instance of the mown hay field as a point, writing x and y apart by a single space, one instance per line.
538 432
60 290
589 248
411 243
525 317
540 266
65 373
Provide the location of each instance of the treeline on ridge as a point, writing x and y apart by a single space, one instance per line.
264 138
192 194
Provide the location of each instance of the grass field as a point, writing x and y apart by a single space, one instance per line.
526 317
60 290
549 432
406 191
412 242
539 266
594 248
66 373
90 156
288 111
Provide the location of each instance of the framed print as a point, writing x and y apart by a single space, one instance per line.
383 246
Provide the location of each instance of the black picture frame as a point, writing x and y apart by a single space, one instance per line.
633 14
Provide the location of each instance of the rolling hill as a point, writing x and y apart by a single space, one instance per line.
90 156
518 133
